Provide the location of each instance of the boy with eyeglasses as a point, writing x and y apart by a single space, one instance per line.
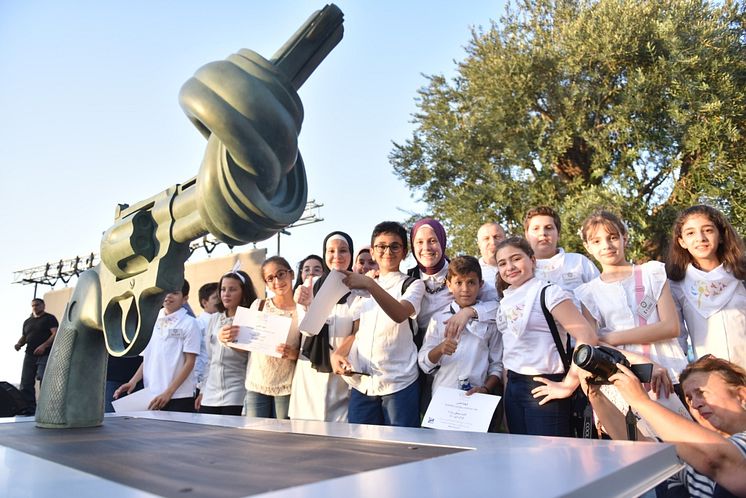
380 359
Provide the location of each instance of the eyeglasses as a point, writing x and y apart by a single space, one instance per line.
394 248
279 276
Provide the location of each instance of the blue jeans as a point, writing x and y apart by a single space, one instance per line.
401 408
264 405
525 416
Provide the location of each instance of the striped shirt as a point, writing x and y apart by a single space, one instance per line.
702 486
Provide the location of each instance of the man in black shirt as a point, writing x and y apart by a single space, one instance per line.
38 333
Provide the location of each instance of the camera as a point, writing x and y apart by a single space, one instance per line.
601 362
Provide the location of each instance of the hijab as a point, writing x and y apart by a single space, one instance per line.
320 281
340 236
440 234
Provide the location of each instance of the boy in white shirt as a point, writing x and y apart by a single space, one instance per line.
208 300
169 357
567 269
476 353
380 359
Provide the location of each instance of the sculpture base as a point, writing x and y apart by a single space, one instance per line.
173 458
179 454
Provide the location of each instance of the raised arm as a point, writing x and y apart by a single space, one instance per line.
398 311
705 450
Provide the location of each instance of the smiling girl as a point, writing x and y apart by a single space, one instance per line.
269 379
223 391
707 266
319 394
534 366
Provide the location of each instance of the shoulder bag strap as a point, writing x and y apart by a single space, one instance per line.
564 351
639 296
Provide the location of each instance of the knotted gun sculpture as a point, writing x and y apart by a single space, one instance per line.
251 184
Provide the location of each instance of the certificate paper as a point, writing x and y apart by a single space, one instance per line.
329 294
261 332
135 402
451 409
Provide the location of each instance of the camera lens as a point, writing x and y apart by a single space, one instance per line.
599 362
582 354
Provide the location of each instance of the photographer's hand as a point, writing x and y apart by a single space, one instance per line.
629 386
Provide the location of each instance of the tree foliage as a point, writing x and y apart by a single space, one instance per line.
633 105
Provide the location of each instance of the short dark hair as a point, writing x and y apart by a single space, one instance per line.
542 211
185 287
462 266
390 227
206 291
37 300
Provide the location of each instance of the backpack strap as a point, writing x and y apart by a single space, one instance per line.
564 351
404 286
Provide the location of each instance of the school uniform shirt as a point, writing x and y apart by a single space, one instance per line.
528 345
318 395
383 348
566 269
269 375
614 306
200 365
226 368
163 357
713 307
437 296
478 355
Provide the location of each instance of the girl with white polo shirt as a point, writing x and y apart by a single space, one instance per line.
538 387
631 305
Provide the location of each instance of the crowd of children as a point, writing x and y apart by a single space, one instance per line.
505 324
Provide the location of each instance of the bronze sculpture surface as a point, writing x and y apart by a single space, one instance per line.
251 184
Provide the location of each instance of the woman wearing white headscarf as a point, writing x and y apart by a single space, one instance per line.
317 393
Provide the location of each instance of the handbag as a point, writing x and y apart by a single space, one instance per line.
317 349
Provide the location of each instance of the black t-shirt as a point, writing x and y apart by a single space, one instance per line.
37 330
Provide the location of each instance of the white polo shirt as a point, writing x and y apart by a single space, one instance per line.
383 348
163 357
528 345
566 269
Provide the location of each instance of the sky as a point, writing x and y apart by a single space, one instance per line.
90 115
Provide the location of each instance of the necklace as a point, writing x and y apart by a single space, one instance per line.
435 290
